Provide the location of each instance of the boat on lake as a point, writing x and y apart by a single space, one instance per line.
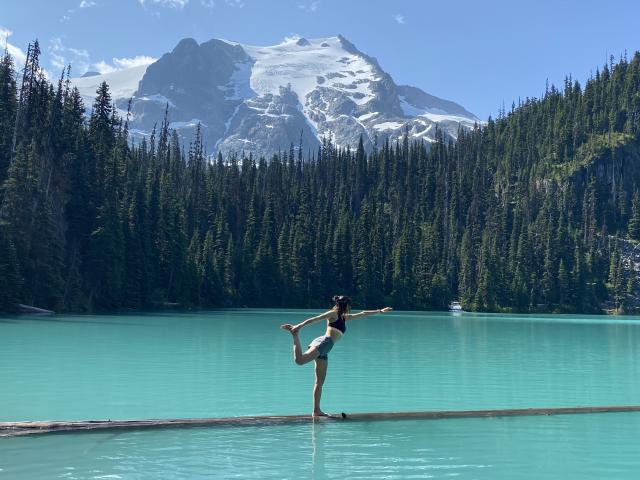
455 307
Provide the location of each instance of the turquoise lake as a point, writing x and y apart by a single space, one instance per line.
238 362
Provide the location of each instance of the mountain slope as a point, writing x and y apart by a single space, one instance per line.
263 99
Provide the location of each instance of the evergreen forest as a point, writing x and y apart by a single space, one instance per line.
532 211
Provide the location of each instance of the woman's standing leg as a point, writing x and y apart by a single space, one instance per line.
321 374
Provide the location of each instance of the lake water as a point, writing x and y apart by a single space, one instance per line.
237 362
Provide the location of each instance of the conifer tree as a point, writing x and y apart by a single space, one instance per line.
8 106
634 221
522 213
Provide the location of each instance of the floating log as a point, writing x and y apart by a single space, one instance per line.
29 428
33 310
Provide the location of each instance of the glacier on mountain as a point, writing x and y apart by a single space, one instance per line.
263 99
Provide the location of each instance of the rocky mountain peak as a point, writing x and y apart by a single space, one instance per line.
263 98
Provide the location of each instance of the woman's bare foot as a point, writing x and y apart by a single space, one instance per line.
290 328
320 413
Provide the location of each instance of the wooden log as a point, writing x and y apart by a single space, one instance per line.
30 428
33 310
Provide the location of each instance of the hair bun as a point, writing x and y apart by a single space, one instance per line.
341 299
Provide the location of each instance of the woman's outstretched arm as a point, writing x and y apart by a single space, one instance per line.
366 313
308 321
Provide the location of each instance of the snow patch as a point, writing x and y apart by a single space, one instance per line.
122 83
434 117
367 116
388 126
226 125
156 98
434 114
240 82
302 66
412 111
193 123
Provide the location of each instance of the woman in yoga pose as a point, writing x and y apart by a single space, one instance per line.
320 347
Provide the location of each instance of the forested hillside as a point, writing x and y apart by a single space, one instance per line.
521 214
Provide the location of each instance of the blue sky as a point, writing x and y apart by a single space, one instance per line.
480 54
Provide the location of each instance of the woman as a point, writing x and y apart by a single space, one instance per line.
320 347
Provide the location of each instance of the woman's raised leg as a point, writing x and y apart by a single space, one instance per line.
299 357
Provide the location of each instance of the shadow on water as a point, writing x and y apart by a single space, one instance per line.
102 441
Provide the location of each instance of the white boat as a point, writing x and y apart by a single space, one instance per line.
455 307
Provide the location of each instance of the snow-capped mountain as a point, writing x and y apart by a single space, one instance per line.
262 99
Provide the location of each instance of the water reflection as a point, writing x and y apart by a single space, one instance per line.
571 447
317 464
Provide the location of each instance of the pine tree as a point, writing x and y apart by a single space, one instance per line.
8 108
266 274
10 279
634 222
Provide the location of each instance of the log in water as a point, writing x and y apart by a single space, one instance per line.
29 428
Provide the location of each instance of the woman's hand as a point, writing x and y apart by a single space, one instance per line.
296 328
385 309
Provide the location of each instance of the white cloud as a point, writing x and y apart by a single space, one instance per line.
235 3
103 67
311 7
133 62
399 18
79 52
55 50
121 63
19 57
83 4
80 59
61 55
165 3
5 33
208 3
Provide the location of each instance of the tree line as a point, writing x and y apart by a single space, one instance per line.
520 214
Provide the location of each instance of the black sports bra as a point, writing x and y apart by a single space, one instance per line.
339 324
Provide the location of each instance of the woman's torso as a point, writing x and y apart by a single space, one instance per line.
332 330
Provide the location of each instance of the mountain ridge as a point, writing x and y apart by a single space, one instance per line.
264 98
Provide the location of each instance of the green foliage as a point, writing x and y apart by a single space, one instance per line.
10 279
516 215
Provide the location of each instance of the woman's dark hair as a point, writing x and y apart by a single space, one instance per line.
342 303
